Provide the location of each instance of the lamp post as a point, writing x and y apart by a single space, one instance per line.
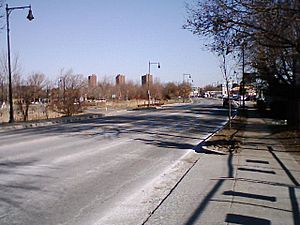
189 76
148 82
29 17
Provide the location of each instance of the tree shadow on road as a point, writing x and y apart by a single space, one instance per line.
166 144
14 191
158 127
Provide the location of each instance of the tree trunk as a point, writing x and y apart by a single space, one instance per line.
297 96
229 103
297 72
297 112
26 112
294 102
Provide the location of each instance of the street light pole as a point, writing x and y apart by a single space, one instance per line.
10 96
148 82
188 75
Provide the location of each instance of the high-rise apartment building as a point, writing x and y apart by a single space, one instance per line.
147 79
120 79
92 81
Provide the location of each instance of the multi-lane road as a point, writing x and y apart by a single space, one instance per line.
112 170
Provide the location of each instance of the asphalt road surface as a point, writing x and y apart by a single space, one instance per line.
112 170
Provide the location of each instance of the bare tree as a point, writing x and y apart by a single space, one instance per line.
3 89
226 76
171 90
273 24
156 89
185 89
270 30
121 92
3 78
69 93
16 71
23 98
1 15
133 90
106 87
38 82
28 91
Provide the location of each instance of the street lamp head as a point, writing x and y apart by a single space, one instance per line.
30 16
158 65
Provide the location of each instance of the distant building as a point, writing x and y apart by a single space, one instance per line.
92 81
120 79
147 79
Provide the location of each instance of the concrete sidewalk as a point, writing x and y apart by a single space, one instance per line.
258 186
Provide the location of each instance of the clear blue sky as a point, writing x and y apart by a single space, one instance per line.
108 37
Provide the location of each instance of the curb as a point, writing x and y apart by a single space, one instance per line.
197 149
144 108
23 125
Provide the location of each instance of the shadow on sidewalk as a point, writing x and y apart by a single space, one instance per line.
260 134
293 197
230 218
202 206
246 220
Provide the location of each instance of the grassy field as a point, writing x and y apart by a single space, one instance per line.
41 112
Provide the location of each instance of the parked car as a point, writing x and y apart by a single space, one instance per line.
233 101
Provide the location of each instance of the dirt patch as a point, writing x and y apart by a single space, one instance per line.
228 139
290 139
